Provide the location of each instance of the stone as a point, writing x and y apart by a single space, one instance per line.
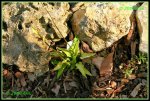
100 24
21 44
142 21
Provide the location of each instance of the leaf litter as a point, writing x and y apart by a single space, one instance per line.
108 81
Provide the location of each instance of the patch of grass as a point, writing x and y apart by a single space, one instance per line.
134 65
142 58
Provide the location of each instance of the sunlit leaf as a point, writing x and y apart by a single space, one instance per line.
59 65
60 71
75 46
86 55
67 52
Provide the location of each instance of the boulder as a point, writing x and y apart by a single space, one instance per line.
100 24
142 21
28 30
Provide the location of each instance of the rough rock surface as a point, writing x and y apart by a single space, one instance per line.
101 23
20 45
142 16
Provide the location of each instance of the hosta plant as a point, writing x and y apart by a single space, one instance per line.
70 59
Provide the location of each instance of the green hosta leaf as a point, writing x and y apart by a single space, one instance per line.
73 62
82 69
86 55
59 65
75 47
67 52
60 71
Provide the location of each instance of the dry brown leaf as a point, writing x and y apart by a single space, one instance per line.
86 47
97 61
18 74
113 84
7 74
123 81
136 90
107 65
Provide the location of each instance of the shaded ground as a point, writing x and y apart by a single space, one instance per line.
122 83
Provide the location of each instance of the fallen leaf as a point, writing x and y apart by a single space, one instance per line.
107 65
136 90
97 61
86 47
7 74
124 81
56 89
18 74
113 84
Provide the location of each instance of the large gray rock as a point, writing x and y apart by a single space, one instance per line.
21 46
142 19
101 23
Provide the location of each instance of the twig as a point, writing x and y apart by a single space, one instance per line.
56 27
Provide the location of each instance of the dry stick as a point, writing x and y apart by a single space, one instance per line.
56 26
